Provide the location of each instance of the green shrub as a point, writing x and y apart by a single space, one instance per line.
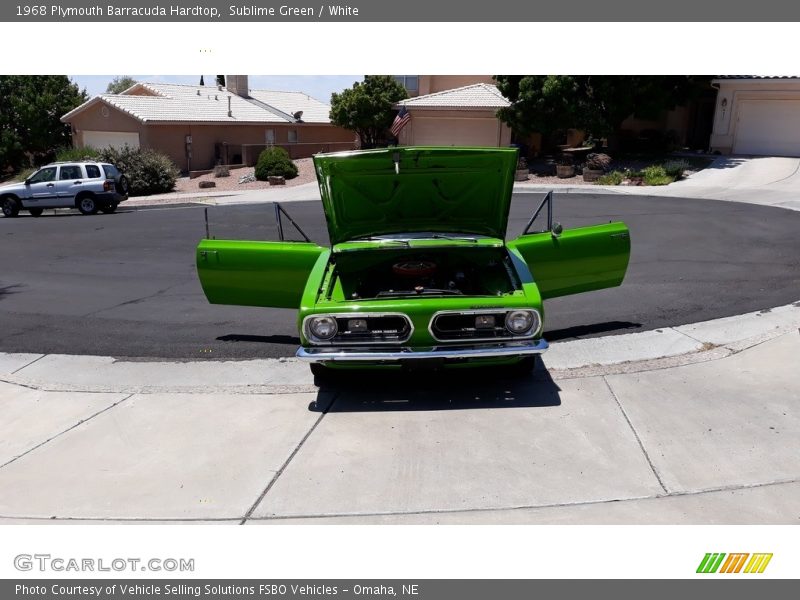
68 154
148 171
274 162
613 178
24 174
676 168
656 175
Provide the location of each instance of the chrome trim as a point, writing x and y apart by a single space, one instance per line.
527 336
360 315
369 355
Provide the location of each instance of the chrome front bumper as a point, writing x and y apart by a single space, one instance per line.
323 354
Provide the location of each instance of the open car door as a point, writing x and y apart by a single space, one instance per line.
576 260
246 273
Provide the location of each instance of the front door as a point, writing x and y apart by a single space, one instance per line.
248 273
41 188
576 260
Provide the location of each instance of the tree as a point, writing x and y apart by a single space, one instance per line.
30 113
119 84
597 104
366 108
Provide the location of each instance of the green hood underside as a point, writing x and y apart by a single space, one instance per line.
415 189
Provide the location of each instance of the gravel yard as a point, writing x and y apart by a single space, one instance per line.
305 169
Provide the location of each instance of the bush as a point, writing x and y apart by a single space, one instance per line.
676 168
613 178
273 162
148 171
68 154
222 171
656 175
598 161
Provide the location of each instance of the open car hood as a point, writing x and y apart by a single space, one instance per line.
416 189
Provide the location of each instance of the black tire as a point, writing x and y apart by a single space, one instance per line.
36 212
86 204
108 209
525 366
122 185
322 374
10 207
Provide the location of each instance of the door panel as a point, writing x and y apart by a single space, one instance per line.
255 273
578 260
70 183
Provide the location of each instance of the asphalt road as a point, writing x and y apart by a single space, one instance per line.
125 284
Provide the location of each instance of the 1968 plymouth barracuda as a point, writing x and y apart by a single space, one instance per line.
419 271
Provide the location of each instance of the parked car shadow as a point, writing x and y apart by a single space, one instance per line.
579 331
455 389
289 340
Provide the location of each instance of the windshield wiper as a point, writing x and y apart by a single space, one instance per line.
440 236
425 292
381 239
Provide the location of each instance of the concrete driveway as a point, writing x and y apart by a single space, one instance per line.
769 180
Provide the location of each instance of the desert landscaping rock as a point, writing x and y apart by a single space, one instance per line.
276 180
206 184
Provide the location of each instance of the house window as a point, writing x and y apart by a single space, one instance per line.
293 136
410 82
270 136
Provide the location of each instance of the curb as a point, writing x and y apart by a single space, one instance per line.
626 353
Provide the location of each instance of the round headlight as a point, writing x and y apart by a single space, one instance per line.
521 321
323 328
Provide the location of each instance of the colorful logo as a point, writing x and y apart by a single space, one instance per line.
734 563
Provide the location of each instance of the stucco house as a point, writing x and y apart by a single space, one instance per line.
757 115
462 116
201 126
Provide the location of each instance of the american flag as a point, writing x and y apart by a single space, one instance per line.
400 121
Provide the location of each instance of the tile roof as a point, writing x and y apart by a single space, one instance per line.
476 96
170 103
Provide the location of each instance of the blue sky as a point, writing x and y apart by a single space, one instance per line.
317 86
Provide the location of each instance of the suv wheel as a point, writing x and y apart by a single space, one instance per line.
108 209
87 205
10 207
36 212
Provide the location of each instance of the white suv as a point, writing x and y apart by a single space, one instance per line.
87 186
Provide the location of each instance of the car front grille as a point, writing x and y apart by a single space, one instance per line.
382 329
460 326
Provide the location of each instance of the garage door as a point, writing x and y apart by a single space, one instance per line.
768 127
428 131
115 139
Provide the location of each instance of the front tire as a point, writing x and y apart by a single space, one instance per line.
36 212
87 205
525 366
10 207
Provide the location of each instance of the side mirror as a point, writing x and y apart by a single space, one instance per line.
28 181
557 229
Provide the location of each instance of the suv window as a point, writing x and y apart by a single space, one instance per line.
92 171
70 172
111 171
43 175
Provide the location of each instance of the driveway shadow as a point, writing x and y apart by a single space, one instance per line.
454 389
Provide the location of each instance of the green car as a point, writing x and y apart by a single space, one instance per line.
419 271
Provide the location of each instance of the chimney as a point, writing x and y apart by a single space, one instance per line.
237 84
